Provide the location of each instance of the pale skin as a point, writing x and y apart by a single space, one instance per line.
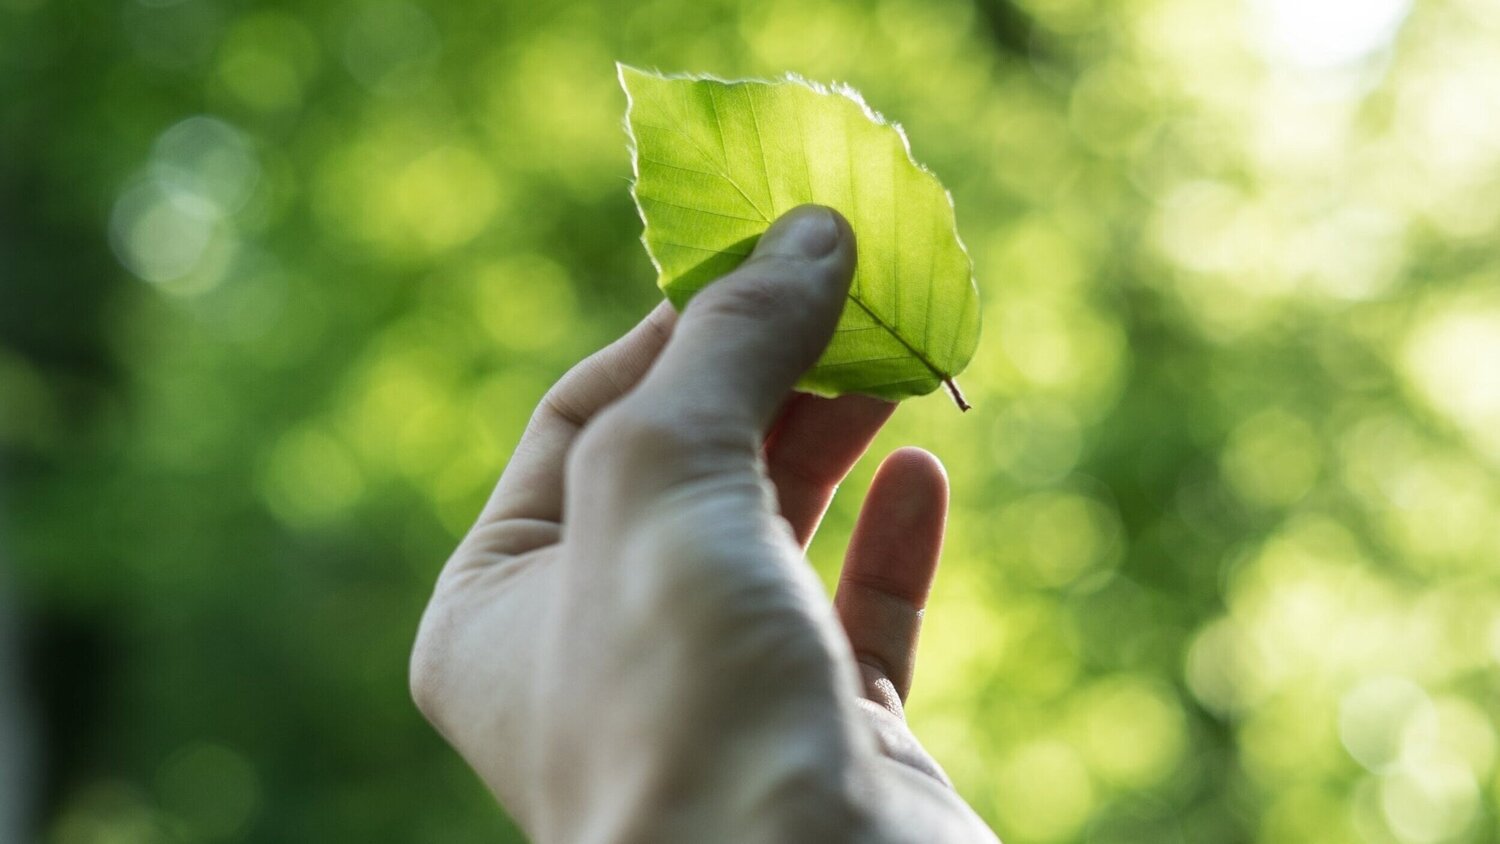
629 645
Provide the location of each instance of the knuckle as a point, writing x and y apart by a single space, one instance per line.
573 397
561 403
659 325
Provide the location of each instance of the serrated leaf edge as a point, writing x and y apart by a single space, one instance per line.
835 88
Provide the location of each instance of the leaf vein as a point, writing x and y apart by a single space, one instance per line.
860 362
958 326
699 248
765 170
927 308
713 103
659 201
853 202
697 147
886 384
732 182
902 340
896 239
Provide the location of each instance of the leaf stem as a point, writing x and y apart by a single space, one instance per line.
953 390
958 395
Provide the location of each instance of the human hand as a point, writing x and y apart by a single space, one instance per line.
629 644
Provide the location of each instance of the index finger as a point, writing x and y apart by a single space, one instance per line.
531 487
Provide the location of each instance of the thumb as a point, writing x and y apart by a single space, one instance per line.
745 340
702 411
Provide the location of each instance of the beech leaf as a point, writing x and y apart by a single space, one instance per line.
717 161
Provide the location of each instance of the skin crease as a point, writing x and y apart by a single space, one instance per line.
629 645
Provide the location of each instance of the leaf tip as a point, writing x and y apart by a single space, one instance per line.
621 69
627 73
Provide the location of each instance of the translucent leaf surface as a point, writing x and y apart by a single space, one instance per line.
716 162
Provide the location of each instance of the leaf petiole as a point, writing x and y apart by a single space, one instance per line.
957 394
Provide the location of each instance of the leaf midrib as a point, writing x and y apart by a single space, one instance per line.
891 330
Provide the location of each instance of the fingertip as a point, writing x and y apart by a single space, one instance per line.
914 482
848 243
847 252
917 462
814 234
807 232
745 339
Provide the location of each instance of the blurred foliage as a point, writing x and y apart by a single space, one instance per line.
280 284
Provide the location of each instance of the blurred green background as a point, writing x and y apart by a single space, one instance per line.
281 282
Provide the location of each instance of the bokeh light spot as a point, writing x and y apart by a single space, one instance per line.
267 60
1458 730
525 302
1060 536
1036 441
1045 792
1430 803
1446 363
1133 732
1220 667
210 788
310 478
405 192
445 196
1373 715
211 158
1325 33
110 812
1272 458
162 232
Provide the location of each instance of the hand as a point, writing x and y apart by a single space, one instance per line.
629 645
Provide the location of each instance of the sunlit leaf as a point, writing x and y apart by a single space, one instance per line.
717 161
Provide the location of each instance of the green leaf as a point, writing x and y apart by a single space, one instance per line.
716 162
